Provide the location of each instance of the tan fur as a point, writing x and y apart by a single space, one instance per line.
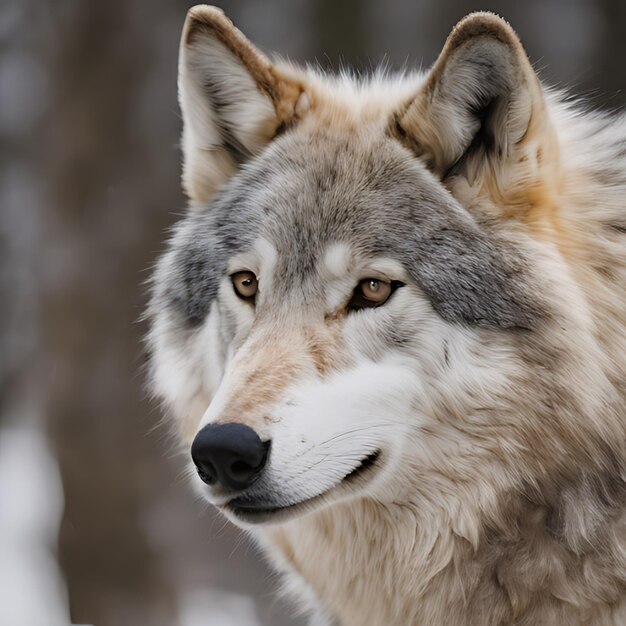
293 355
539 580
512 510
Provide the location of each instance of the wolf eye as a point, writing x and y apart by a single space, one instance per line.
245 285
372 292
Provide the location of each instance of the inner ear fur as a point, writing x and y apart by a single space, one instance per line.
233 100
481 106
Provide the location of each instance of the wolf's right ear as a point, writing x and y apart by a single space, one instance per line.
232 99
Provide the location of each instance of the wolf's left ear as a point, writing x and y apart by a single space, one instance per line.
481 107
232 99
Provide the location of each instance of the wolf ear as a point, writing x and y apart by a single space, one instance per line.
232 99
481 107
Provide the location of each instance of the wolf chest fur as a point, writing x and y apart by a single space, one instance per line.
392 329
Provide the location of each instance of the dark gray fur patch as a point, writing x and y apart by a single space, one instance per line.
465 275
305 193
202 246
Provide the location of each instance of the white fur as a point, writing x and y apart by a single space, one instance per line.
493 442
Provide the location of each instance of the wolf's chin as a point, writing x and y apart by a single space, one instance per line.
254 511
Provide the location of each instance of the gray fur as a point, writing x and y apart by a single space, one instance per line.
498 493
201 247
377 197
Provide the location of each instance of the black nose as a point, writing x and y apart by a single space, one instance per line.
230 454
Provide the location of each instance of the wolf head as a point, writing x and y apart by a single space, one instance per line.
368 297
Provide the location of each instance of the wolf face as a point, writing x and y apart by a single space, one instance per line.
328 380
371 298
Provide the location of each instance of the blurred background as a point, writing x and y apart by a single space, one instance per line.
97 523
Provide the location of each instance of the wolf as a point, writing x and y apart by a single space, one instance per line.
391 327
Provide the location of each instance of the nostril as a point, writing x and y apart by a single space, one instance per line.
240 470
207 472
247 470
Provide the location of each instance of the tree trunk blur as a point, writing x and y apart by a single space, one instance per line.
108 204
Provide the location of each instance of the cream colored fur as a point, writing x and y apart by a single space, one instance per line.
503 502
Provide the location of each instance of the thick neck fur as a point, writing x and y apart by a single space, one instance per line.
407 564
540 556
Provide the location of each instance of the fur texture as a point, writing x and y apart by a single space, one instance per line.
457 455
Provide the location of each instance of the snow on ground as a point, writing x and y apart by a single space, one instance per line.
32 591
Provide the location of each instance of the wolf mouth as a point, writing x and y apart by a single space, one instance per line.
259 512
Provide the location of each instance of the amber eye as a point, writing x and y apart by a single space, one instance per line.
372 292
245 284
